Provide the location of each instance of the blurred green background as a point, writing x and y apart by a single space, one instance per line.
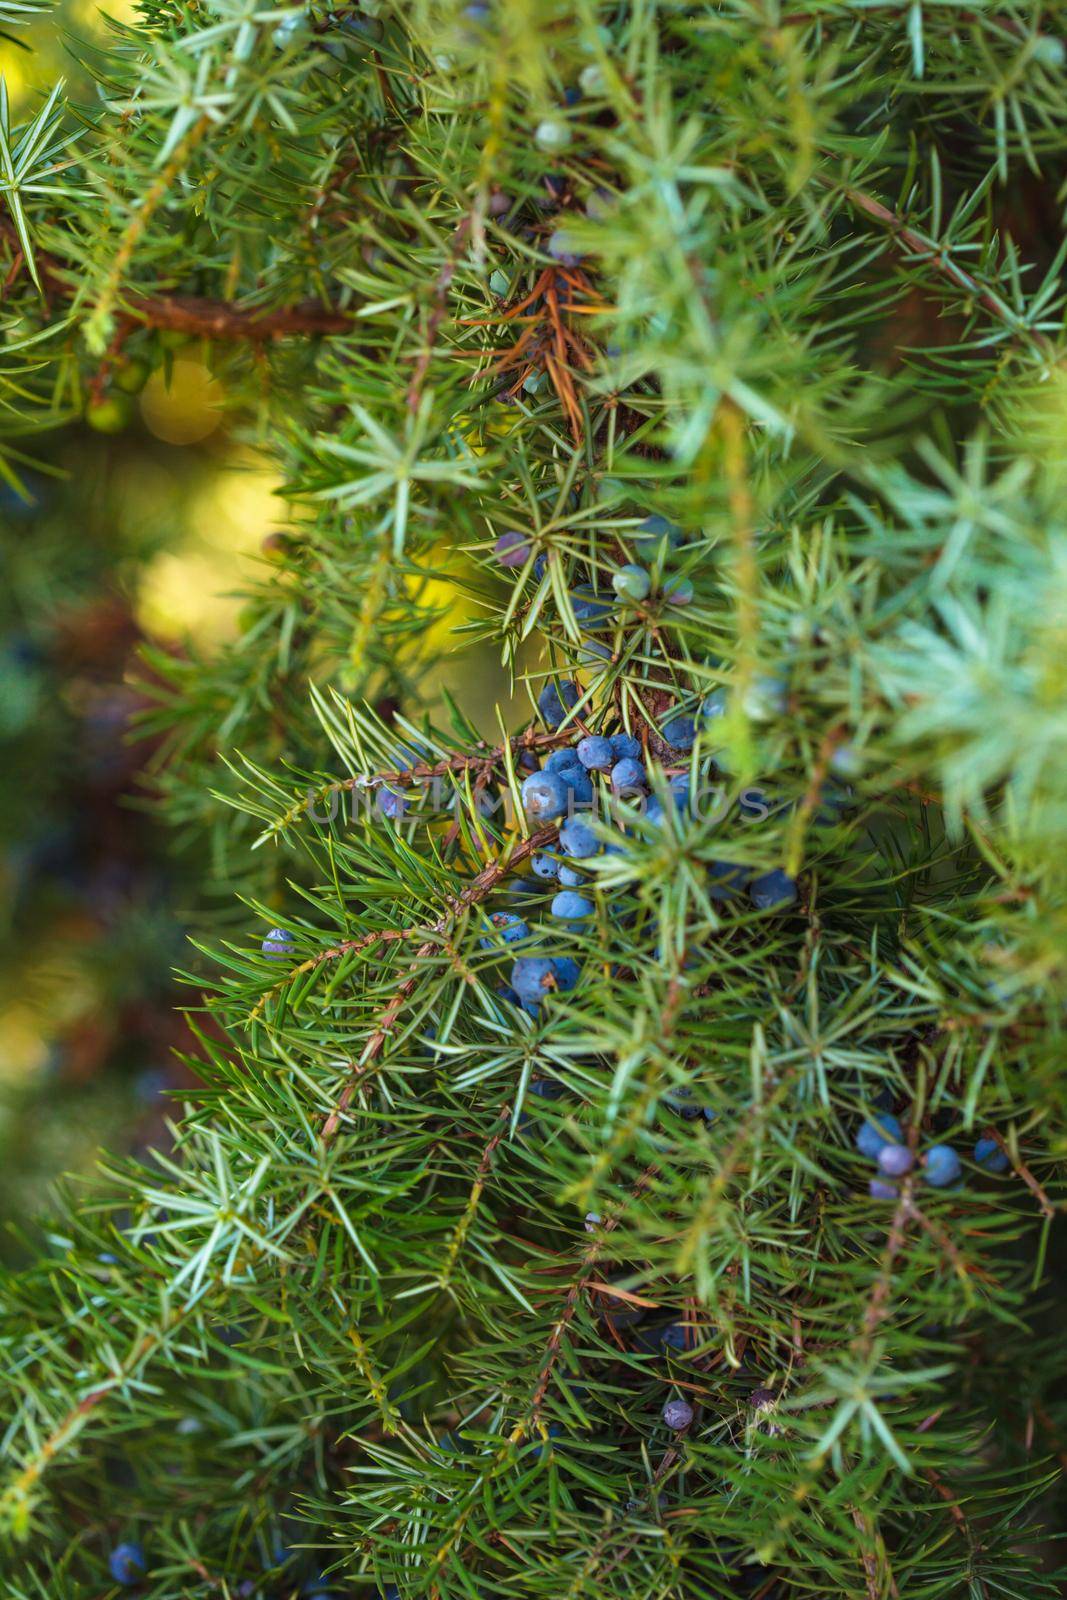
111 541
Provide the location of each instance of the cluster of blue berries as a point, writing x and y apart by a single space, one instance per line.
560 789
881 1140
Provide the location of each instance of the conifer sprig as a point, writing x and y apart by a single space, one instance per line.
694 371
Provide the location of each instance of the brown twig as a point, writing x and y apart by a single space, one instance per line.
920 246
196 315
476 890
1019 1166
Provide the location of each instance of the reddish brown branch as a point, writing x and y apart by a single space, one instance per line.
476 890
195 315
225 322
922 248
1047 1208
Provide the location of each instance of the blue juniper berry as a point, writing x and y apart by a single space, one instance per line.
577 838
554 703
589 610
595 753
766 697
680 732
510 928
566 972
511 549
680 593
278 944
988 1154
877 1132
653 531
942 1166
773 890
571 906
624 747
552 134
680 791
678 1414
895 1160
532 977
726 879
126 1563
629 774
673 1336
577 783
544 795
392 803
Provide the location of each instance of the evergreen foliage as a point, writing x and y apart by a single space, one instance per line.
440 1294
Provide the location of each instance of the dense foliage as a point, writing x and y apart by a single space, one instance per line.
671 1265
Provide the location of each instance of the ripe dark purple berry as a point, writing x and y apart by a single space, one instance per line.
895 1160
678 1414
559 759
880 1190
512 549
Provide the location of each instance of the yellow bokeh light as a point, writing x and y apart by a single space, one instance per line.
187 591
